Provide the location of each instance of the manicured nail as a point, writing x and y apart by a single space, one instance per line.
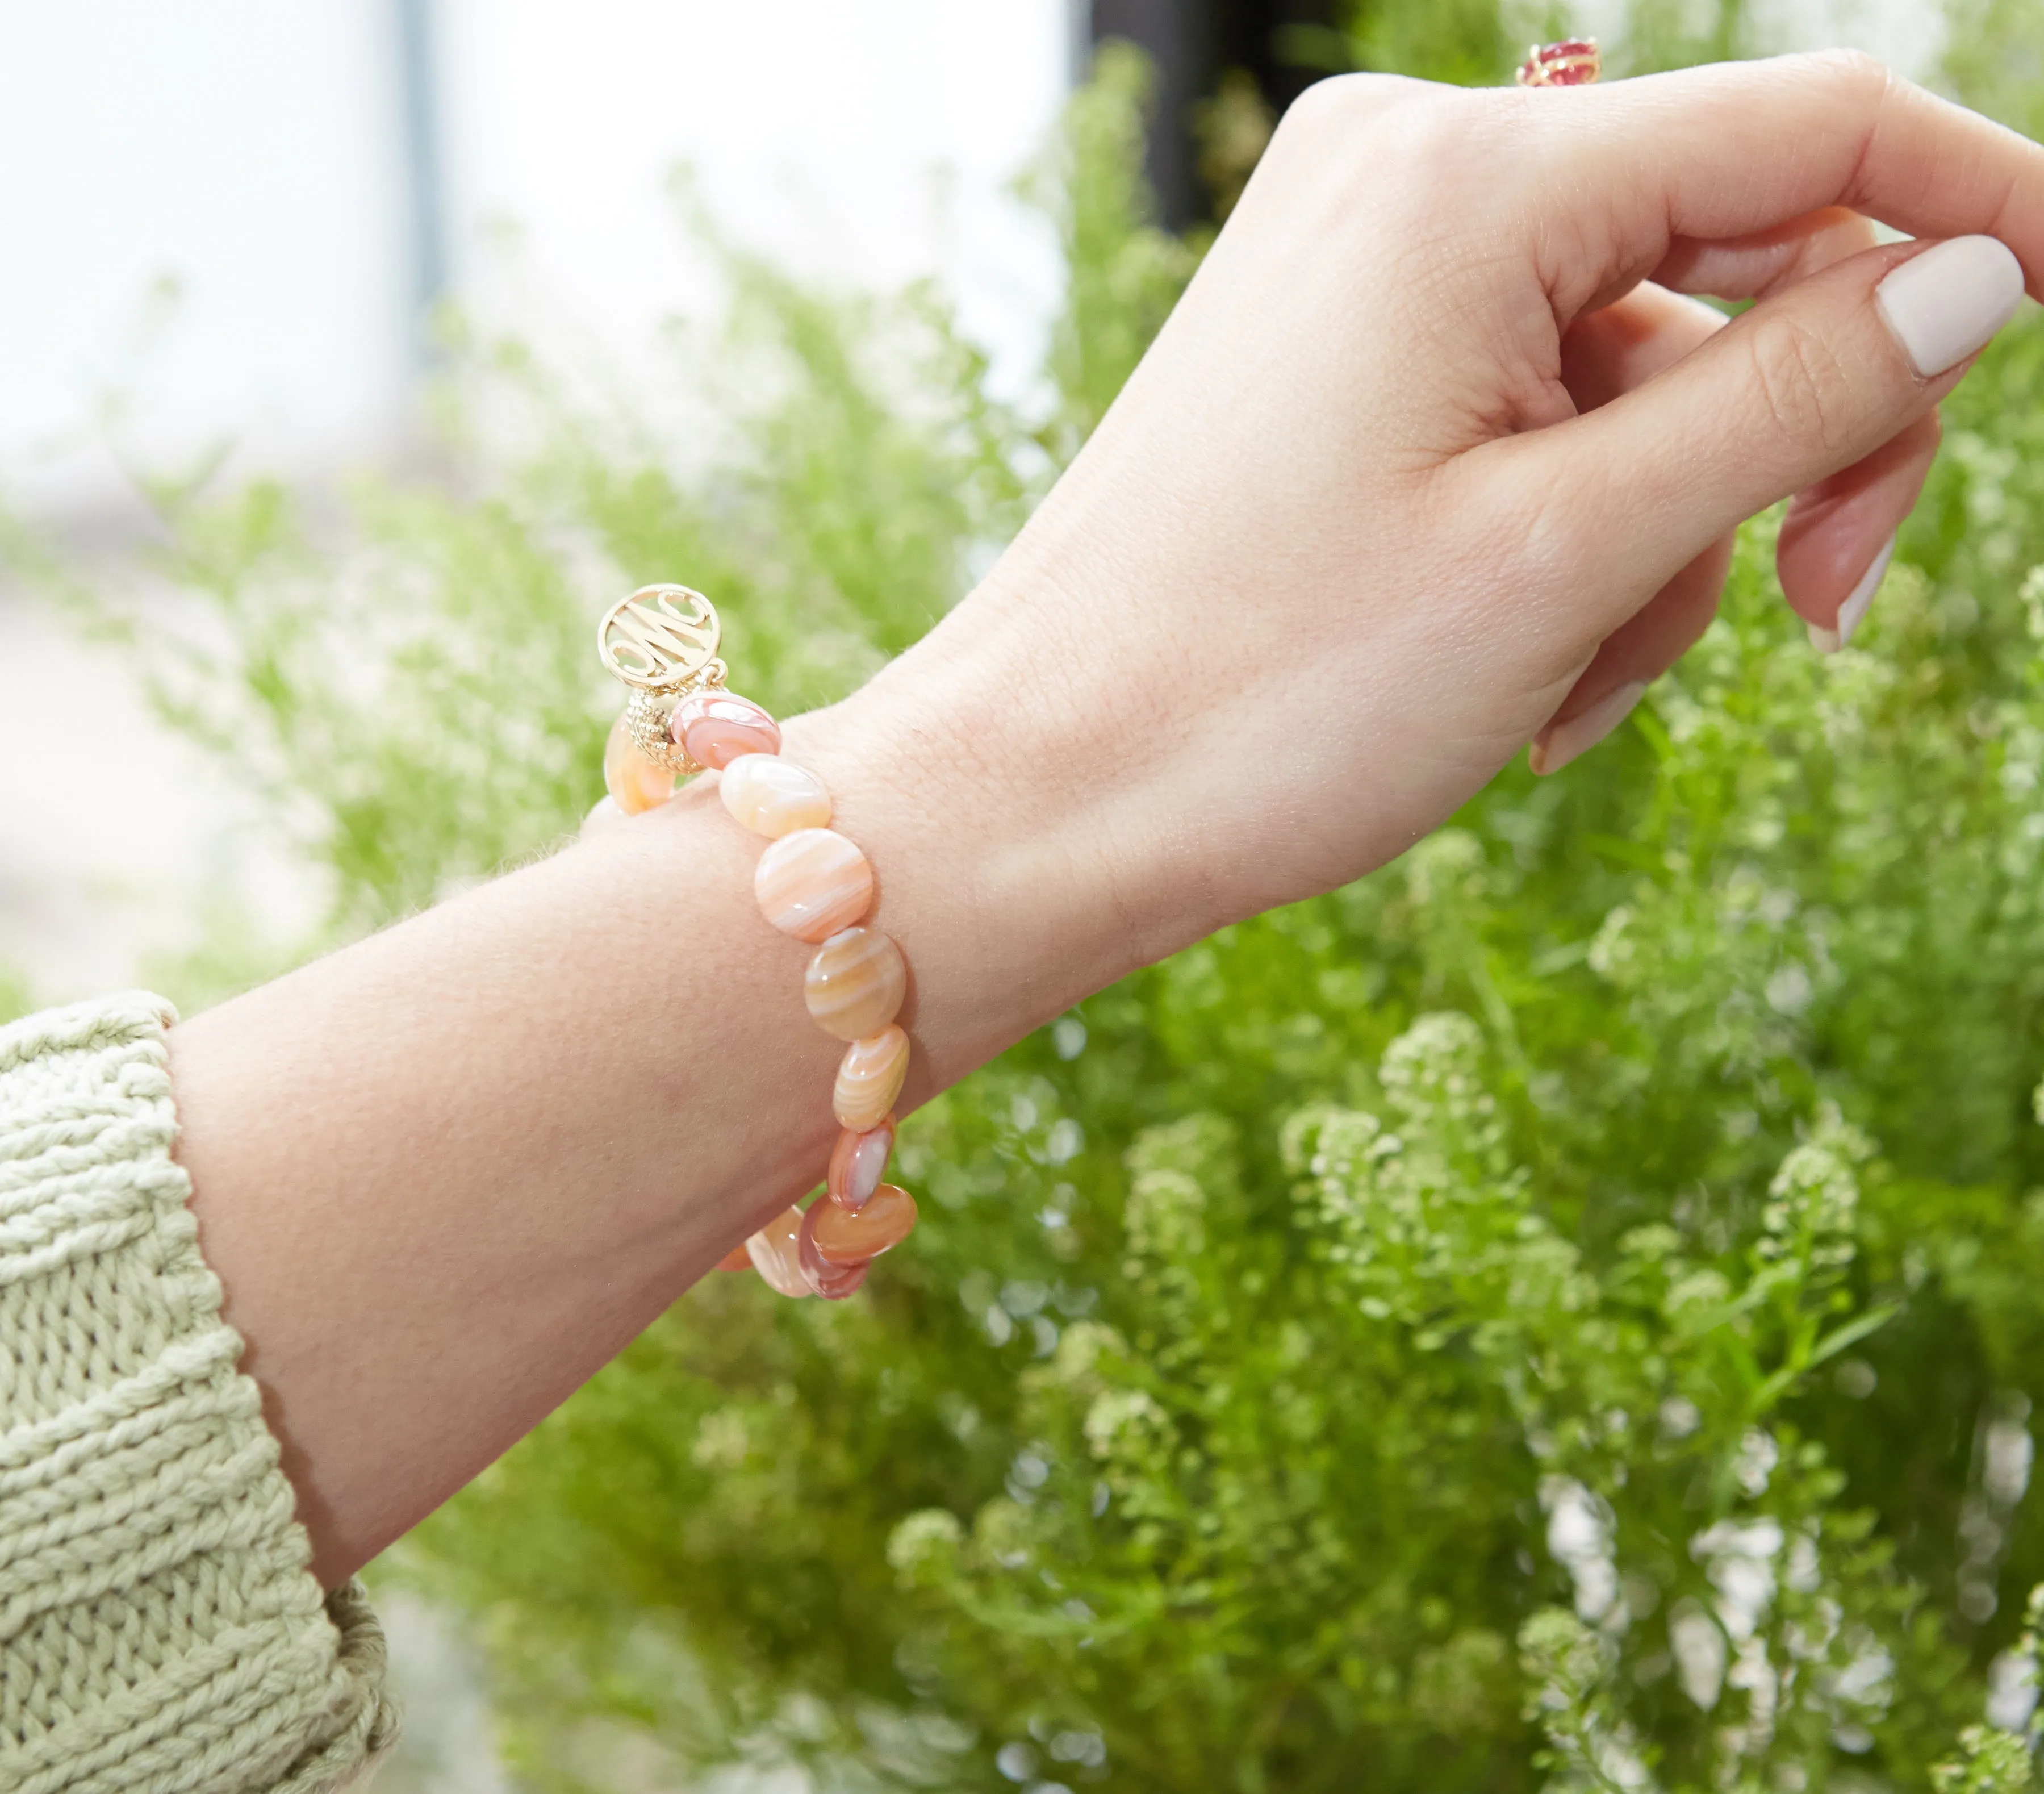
1829 641
1948 301
1564 741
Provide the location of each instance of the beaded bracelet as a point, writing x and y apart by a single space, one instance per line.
811 882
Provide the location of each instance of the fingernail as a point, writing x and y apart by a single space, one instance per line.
1948 301
1858 600
1564 741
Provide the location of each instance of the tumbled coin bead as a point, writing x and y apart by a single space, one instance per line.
812 883
858 1162
634 781
714 728
850 1236
854 984
832 1281
776 1253
869 1078
604 814
772 797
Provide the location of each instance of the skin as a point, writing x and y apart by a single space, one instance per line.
1433 455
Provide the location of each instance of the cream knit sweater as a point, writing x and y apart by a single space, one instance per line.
159 1631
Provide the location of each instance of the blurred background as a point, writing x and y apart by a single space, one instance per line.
261 240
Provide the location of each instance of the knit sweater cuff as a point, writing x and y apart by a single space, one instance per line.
159 1628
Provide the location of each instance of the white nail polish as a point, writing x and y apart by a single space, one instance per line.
1852 612
1564 741
1948 301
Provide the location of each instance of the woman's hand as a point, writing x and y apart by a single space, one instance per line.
1435 459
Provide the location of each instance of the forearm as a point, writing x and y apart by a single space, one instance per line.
446 1174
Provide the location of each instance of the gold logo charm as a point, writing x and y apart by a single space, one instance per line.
659 639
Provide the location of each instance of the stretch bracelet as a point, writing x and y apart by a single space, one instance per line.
811 882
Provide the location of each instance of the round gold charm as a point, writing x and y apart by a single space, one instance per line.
659 639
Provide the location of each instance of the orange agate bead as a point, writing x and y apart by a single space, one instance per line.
854 984
853 1235
858 1162
869 1078
634 781
830 1281
776 1253
812 883
604 816
772 796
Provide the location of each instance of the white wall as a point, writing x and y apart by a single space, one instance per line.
871 141
252 153
246 150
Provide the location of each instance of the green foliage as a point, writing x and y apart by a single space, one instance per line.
1461 40
1123 275
1561 1312
1994 58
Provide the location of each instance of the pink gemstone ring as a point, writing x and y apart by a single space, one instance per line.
1574 62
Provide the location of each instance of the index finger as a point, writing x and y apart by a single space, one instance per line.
1737 147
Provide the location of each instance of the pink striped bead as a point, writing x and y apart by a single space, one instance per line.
776 1253
812 883
634 781
857 1163
714 728
830 1280
869 1078
844 1236
854 984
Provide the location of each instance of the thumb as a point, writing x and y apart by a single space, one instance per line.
1805 383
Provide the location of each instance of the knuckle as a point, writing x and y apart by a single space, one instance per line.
1848 68
1340 105
1368 121
1419 155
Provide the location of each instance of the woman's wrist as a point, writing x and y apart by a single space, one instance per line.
1020 856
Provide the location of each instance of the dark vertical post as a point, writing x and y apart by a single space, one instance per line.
424 194
1180 38
1191 42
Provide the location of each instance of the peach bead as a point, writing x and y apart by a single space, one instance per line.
869 1078
811 884
714 728
737 1259
830 1281
776 1253
772 797
858 1162
847 1236
854 984
604 816
634 781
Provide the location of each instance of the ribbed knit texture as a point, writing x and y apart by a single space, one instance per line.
159 1629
